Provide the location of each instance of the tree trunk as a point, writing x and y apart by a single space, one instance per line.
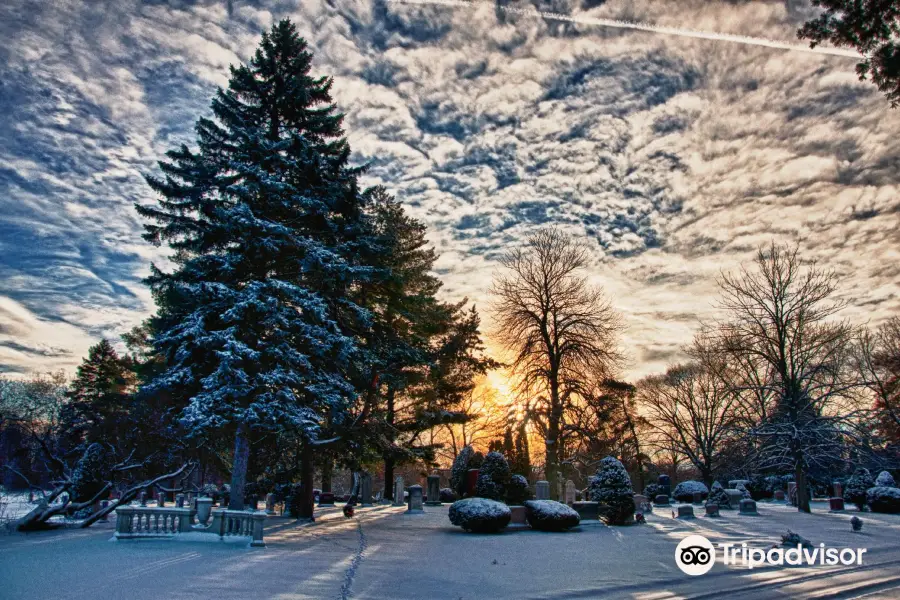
802 493
307 473
327 473
389 460
389 479
239 467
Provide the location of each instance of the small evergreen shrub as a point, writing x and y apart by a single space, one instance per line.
448 496
684 491
791 539
612 486
549 515
652 491
480 515
718 496
517 490
492 478
857 485
883 499
856 524
885 479
761 487
459 470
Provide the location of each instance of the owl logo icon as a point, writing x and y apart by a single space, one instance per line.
695 555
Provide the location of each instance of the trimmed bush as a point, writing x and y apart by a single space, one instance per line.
884 499
684 491
612 487
762 487
745 493
550 515
718 496
492 478
857 486
448 496
480 515
885 479
517 490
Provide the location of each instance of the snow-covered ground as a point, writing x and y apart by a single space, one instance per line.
383 553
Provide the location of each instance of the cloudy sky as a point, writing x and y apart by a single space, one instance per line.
671 157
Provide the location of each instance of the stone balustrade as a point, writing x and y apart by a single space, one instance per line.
151 522
141 522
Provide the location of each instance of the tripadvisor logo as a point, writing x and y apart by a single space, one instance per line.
695 555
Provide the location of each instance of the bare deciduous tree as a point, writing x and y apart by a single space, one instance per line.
780 319
560 331
692 409
878 362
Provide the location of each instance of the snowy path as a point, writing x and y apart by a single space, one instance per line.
383 553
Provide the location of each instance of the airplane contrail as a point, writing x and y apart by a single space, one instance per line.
679 31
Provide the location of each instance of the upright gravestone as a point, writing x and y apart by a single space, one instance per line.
415 499
179 500
434 490
104 504
365 487
734 498
665 485
779 495
748 507
542 490
838 489
270 504
685 511
398 492
640 503
160 499
326 499
143 498
570 492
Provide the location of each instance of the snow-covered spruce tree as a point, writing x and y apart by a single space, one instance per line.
493 477
269 235
857 485
718 496
612 486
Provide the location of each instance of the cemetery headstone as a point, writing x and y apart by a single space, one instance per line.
570 492
179 501
542 490
748 507
434 490
685 511
838 489
398 491
366 489
640 503
270 504
665 484
104 504
712 510
326 499
836 505
415 504
143 498
779 495
661 500
160 499
471 481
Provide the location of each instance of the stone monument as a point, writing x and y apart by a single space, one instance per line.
542 490
415 499
434 490
365 487
398 492
570 492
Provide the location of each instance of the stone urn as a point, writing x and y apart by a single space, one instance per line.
204 508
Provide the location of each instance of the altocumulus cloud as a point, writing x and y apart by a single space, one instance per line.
672 157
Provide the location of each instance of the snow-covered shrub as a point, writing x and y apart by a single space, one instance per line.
476 461
745 493
612 486
718 496
550 515
448 495
684 491
857 485
460 469
492 478
652 491
762 487
517 490
791 539
480 515
91 472
884 499
885 479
